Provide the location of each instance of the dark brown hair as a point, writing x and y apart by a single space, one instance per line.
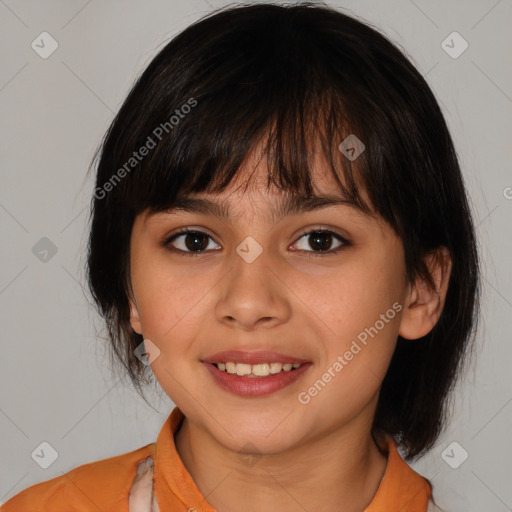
296 76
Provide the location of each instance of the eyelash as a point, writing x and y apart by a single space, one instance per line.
310 254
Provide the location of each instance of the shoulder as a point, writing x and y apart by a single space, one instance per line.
99 485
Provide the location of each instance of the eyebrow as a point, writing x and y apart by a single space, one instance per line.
291 205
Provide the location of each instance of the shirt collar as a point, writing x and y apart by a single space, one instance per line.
401 488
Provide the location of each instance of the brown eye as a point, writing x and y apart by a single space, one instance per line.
321 241
188 241
195 241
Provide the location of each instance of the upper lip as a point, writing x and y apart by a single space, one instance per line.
252 357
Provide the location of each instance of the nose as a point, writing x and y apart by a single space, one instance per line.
253 294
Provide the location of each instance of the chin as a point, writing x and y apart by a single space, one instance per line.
261 436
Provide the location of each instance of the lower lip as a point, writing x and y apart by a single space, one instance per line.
255 386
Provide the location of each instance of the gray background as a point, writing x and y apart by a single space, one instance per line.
54 377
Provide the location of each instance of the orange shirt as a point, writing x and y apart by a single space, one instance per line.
105 485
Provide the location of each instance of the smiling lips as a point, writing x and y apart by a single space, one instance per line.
252 357
256 370
254 373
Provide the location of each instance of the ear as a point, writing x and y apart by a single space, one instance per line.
424 305
135 318
134 310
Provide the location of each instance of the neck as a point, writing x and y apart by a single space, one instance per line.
341 471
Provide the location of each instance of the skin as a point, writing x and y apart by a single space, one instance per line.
312 308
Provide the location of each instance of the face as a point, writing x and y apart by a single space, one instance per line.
323 289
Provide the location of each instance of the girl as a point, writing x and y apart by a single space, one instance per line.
281 236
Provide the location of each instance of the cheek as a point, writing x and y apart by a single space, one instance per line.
172 308
169 302
349 299
355 363
357 313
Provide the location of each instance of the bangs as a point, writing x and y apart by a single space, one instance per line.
287 97
292 136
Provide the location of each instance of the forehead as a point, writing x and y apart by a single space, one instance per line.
252 194
250 190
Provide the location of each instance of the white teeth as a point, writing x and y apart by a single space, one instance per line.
257 370
243 369
275 367
261 370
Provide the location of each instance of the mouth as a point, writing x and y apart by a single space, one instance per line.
251 374
256 370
